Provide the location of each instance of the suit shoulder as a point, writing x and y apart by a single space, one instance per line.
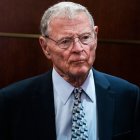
27 84
117 83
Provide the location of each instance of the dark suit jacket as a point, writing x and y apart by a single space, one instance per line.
27 109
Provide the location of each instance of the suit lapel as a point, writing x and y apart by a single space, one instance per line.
47 112
105 106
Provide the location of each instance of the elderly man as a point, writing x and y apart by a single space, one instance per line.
73 101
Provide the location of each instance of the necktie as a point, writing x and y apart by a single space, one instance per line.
79 124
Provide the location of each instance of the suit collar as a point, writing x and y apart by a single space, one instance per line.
105 106
100 79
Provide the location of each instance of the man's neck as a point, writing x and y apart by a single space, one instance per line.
74 80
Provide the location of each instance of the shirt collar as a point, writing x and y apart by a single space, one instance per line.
64 89
89 86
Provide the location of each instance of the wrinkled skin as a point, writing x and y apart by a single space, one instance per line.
74 63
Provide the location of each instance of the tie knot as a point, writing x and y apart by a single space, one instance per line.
77 93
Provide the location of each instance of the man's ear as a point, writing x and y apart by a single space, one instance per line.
96 32
95 29
44 46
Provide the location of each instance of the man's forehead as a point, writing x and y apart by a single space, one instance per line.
73 15
70 24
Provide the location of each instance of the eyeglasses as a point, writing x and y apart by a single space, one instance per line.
66 42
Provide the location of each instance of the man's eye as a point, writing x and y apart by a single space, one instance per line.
85 37
65 41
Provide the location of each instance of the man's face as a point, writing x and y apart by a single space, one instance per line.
77 59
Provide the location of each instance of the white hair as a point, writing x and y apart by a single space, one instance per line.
66 9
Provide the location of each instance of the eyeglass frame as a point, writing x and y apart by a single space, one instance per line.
58 43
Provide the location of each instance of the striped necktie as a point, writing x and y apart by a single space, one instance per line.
79 124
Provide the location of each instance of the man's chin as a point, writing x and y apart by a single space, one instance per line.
79 72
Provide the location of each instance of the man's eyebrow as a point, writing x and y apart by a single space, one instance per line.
71 35
65 37
86 32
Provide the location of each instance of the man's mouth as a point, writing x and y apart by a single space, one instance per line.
78 61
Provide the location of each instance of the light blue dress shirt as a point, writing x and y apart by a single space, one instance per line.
64 100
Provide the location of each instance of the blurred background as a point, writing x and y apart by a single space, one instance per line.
118 51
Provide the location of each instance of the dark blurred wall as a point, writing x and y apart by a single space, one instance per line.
118 46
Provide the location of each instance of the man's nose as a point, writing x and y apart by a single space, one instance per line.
77 45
